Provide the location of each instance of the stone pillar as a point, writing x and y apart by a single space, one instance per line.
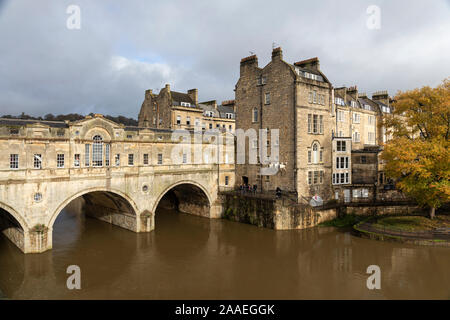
38 239
147 221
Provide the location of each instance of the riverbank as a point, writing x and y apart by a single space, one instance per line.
407 229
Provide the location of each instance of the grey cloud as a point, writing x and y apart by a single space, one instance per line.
121 50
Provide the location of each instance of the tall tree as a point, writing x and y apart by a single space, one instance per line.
417 154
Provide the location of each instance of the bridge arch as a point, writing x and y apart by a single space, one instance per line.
118 197
15 215
202 200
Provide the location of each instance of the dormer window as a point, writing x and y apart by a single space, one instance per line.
353 104
185 104
339 101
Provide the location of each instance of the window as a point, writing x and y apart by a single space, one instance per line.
14 131
37 197
178 120
60 160
14 161
320 156
230 127
76 160
267 98
371 120
365 193
309 123
346 177
188 121
210 125
227 180
86 155
107 148
37 161
356 117
341 116
255 144
309 156
146 158
309 177
160 158
321 124
315 124
356 137
346 162
130 159
315 156
197 122
310 97
129 136
316 177
353 104
255 115
185 104
341 145
315 96
363 159
97 151
334 178
371 137
117 160
184 158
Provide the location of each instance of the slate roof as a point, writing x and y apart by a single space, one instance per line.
181 97
223 110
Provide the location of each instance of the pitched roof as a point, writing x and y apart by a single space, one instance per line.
181 97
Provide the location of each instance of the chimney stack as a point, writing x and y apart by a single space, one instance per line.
193 93
148 94
381 96
277 53
353 92
168 87
248 62
313 64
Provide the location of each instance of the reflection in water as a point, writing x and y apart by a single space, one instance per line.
189 257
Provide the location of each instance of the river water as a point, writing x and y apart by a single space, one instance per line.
189 257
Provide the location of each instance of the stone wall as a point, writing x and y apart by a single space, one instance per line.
382 209
272 213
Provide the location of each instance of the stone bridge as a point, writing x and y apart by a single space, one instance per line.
122 178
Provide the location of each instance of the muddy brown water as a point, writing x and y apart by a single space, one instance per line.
189 257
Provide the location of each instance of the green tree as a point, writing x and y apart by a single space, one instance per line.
417 154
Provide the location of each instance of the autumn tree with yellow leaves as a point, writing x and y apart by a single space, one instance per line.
417 154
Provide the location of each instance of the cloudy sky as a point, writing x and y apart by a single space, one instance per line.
125 47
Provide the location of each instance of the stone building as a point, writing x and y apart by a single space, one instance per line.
330 138
296 99
176 110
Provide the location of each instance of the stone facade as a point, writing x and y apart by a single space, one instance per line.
314 120
121 172
176 110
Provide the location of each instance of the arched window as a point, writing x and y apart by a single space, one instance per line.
255 115
97 151
315 153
